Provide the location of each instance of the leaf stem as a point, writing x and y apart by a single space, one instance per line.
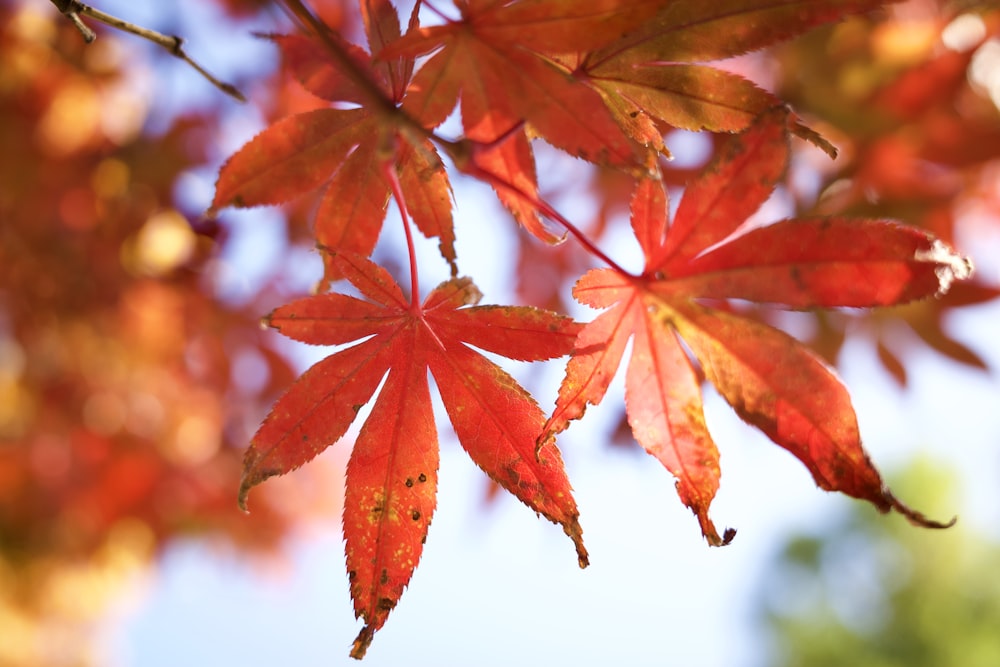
546 209
388 166
378 99
389 171
464 152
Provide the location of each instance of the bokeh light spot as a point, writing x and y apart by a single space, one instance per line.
198 439
72 119
964 32
104 413
164 243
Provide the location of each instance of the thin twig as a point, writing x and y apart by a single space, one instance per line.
310 23
172 43
464 154
88 34
376 98
388 167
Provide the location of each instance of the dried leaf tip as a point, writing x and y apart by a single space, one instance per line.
712 536
915 517
806 133
363 641
242 499
252 476
951 265
575 533
471 295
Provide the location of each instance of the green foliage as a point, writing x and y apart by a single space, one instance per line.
873 592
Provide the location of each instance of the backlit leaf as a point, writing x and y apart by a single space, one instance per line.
502 81
289 158
347 151
689 97
695 31
392 473
390 497
809 263
729 190
771 380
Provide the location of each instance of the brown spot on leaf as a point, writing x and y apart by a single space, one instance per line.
415 515
386 604
409 482
422 478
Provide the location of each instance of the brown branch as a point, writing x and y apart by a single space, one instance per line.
73 9
310 23
376 98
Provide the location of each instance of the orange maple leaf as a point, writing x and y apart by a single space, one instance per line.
651 77
392 473
493 61
771 380
344 151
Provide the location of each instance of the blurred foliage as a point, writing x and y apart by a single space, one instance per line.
874 591
912 100
128 389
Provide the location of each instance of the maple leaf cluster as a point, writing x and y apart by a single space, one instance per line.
601 81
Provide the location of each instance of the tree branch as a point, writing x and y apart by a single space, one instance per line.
72 10
377 99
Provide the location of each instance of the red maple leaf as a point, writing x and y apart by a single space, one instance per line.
651 76
345 151
599 80
771 380
392 473
494 61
